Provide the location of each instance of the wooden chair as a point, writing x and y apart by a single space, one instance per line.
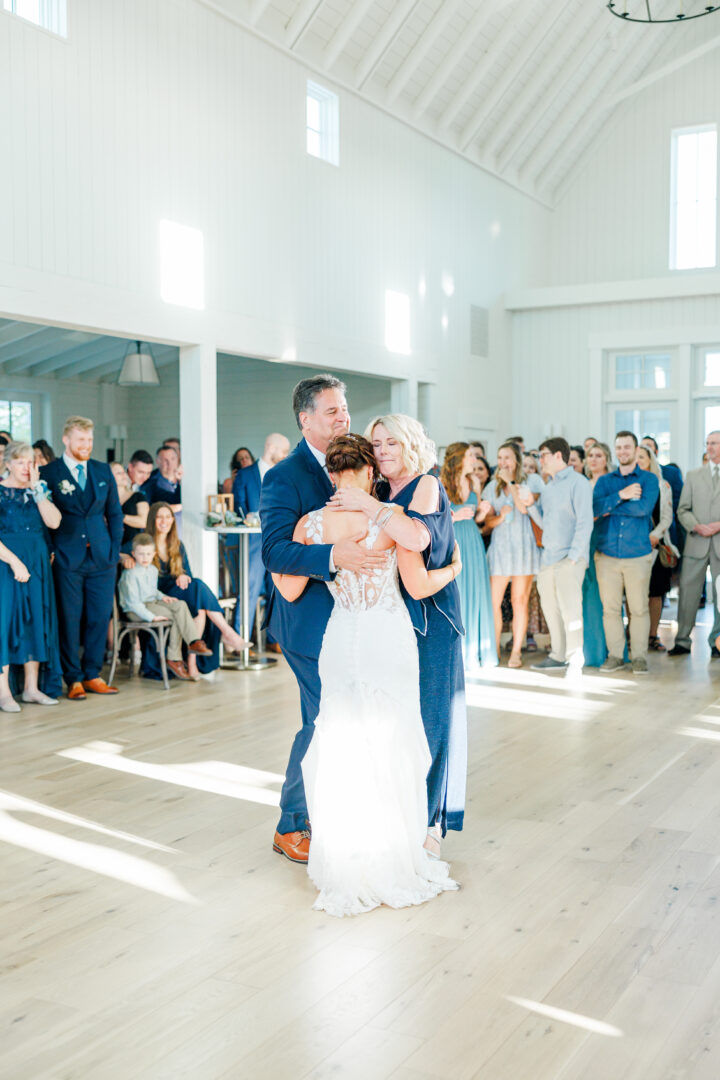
130 628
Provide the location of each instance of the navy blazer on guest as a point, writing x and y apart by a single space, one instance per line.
291 489
246 489
92 518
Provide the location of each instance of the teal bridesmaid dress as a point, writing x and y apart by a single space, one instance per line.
474 584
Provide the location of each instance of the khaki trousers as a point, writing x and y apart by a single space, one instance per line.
692 579
182 627
560 588
632 577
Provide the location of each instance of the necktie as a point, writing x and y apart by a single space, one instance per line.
82 478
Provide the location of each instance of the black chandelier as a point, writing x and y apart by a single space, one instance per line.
641 11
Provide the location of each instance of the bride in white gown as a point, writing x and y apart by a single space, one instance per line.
365 769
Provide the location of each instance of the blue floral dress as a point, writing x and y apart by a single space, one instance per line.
28 616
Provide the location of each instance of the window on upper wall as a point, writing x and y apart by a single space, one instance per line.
693 198
49 14
323 123
16 417
642 371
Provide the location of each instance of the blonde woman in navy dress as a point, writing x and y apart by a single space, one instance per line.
404 454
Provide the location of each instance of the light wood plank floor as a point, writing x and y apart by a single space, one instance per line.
149 931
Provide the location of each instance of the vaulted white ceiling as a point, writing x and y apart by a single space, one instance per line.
521 88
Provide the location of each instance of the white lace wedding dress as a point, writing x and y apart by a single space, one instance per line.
365 769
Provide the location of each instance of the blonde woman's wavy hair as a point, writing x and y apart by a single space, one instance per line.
608 457
13 450
520 476
418 450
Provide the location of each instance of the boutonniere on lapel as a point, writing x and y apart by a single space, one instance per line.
66 487
102 484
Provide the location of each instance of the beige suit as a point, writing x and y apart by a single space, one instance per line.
699 505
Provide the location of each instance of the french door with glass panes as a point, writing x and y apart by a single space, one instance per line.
707 400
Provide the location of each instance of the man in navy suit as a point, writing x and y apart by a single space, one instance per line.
86 546
246 493
290 490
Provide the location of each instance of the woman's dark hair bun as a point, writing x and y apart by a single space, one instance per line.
350 452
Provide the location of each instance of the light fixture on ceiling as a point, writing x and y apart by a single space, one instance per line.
138 367
647 11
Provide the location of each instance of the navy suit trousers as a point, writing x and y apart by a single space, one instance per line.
293 805
85 601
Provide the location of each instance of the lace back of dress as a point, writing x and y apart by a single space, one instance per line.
359 592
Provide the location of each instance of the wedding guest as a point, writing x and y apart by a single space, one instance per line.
3 443
241 459
519 441
28 618
404 454
662 515
513 555
530 465
6 436
623 500
142 601
483 471
139 469
175 579
589 441
44 453
246 493
673 474
463 491
565 513
134 505
577 459
598 462
699 514
164 485
87 545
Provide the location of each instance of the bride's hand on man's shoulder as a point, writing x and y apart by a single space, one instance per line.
352 499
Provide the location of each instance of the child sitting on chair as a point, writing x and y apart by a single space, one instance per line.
142 601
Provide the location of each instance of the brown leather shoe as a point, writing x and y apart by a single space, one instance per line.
99 686
178 669
76 692
198 646
295 846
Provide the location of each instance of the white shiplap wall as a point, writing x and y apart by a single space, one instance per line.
162 108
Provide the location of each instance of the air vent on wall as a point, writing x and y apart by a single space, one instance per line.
478 331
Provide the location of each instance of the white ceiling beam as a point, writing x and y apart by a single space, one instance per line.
473 81
257 7
401 11
589 107
116 348
300 20
13 349
61 340
464 42
417 54
667 69
575 32
346 29
490 102
66 356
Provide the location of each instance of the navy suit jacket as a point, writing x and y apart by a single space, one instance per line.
91 518
291 489
246 489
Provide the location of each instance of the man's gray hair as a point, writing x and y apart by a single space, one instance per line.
306 393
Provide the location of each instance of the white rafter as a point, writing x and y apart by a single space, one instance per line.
115 348
257 7
464 42
54 355
389 31
470 85
300 20
346 29
573 35
585 112
532 43
667 69
432 32
60 359
16 331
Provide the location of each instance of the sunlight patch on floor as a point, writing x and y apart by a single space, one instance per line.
588 1023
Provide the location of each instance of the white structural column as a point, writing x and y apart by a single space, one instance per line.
198 435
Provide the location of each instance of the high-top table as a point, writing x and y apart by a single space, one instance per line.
243 532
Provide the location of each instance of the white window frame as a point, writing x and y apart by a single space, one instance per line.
31 398
328 132
696 129
642 397
53 15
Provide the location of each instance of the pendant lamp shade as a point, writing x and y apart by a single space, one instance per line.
138 367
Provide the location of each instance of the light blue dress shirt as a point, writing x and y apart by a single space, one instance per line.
565 513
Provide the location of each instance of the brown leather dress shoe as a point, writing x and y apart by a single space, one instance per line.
99 686
178 669
198 646
76 692
295 846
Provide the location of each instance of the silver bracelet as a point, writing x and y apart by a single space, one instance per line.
382 522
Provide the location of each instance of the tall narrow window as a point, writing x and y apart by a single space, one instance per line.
182 265
16 417
49 14
693 215
323 123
